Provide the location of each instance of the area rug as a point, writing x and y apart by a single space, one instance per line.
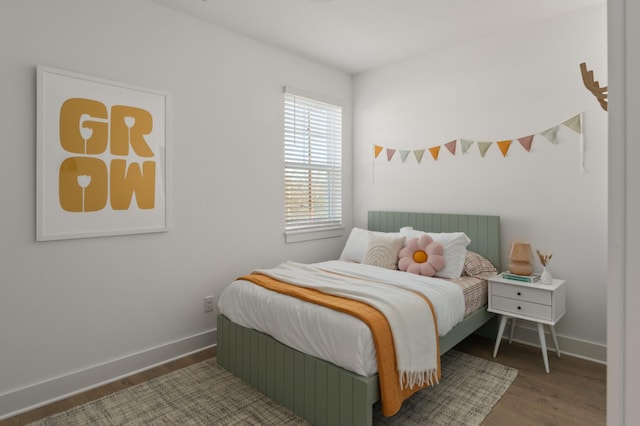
206 394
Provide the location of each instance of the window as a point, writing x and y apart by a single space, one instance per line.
312 168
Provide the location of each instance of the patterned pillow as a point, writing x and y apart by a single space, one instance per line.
383 251
358 242
476 265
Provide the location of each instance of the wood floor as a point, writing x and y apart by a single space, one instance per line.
573 393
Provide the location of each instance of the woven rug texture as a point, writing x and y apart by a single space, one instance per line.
206 394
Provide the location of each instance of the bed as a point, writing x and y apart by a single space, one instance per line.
318 390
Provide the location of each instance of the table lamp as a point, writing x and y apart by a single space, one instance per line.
520 257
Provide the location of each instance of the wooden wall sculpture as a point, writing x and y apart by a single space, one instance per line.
593 86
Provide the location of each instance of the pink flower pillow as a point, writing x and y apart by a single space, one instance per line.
421 256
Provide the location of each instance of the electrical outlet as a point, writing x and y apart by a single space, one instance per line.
208 304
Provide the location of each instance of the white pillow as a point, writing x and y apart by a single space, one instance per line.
358 242
455 249
383 251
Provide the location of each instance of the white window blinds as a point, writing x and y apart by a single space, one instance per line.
313 164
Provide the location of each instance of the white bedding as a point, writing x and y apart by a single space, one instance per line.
327 334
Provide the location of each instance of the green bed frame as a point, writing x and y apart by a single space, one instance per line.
317 390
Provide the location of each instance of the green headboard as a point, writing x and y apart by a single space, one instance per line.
484 231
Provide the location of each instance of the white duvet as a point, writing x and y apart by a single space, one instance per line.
333 336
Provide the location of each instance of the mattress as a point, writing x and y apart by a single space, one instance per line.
318 331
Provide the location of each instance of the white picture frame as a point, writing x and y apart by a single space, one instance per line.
101 158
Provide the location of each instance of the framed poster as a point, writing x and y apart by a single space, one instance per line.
101 165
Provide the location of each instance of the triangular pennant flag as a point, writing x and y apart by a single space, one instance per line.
418 153
377 149
551 134
390 153
465 143
526 142
574 123
504 147
483 147
451 146
403 154
434 152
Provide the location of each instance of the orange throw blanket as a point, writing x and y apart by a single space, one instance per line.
391 393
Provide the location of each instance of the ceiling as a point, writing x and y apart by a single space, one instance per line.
359 35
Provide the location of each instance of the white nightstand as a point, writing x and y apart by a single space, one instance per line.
541 303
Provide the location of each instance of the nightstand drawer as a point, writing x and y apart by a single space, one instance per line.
521 293
521 307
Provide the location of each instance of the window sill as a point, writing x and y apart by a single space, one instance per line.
314 234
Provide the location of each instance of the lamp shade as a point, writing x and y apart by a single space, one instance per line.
520 257
520 251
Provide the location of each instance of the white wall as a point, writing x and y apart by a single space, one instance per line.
519 83
76 312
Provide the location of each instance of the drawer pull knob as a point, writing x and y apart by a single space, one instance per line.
519 308
519 294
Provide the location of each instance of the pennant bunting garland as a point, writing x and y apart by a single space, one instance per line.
434 152
574 123
466 143
483 147
504 147
390 153
551 134
526 142
451 146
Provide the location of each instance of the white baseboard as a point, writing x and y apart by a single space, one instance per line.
568 345
33 396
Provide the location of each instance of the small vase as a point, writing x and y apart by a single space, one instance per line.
545 277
